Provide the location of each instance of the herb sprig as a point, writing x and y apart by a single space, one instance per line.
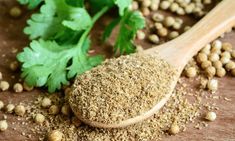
60 42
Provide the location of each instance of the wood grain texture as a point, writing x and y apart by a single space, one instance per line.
11 37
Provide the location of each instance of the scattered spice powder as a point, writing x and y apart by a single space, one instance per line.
122 88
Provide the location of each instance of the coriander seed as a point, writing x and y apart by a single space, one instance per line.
191 72
230 65
162 32
20 110
140 35
14 65
15 12
165 4
205 64
158 25
226 54
3 125
18 88
174 129
217 64
46 102
210 71
212 85
217 44
220 72
54 110
55 135
66 110
4 85
39 118
173 34
201 57
210 116
224 60
158 17
169 21
154 38
10 108
233 54
227 47
213 57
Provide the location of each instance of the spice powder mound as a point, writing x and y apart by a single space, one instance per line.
121 88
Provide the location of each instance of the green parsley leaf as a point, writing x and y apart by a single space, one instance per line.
122 5
108 30
47 63
54 17
131 22
31 3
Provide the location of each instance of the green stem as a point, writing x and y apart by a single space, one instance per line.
94 19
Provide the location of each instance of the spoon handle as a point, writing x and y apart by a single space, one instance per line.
180 50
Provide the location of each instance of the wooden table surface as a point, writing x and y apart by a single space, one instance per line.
12 38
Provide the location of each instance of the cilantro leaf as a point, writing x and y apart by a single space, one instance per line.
131 22
54 17
108 30
31 3
122 5
47 63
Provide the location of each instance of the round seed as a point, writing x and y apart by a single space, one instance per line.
66 110
217 44
206 64
4 85
191 72
55 135
211 116
173 34
162 32
220 72
217 64
169 21
3 125
233 53
140 35
20 110
174 129
224 60
158 17
213 57
54 110
39 118
18 88
154 38
227 47
46 102
10 108
230 65
165 5
15 12
210 71
158 25
201 57
212 85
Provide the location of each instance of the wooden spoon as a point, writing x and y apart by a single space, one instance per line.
180 50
